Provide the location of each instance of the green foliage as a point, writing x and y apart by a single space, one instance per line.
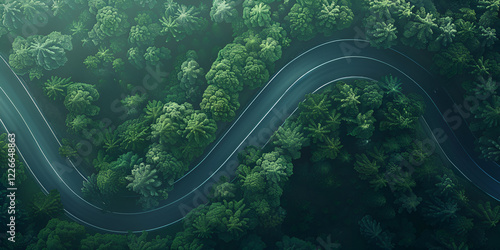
223 11
293 243
90 189
290 138
133 103
420 31
490 16
301 20
382 34
224 191
146 3
314 107
140 36
132 134
118 65
489 36
235 53
372 95
258 15
11 15
445 186
403 113
348 98
79 99
141 243
45 207
185 240
252 242
22 60
55 87
154 55
92 62
384 9
144 180
462 225
276 168
333 16
222 75
442 211
220 105
124 164
77 123
306 18
278 33
111 141
153 110
409 202
111 22
200 130
67 149
467 34
50 51
104 241
364 125
489 216
172 29
365 167
228 220
447 31
372 230
490 149
188 18
169 126
317 131
170 167
37 52
453 60
59 234
108 182
489 112
191 74
255 73
329 148
270 50
250 155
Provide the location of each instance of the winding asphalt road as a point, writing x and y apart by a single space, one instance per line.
322 65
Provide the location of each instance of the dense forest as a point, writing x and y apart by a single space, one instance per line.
145 87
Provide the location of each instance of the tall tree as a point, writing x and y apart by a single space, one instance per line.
80 97
46 207
200 129
258 15
60 234
223 11
55 87
144 180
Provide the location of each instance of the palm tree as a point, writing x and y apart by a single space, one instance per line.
391 85
55 87
153 111
200 129
317 131
202 226
314 107
111 140
187 17
144 180
330 148
490 216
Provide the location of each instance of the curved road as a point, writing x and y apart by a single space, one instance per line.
324 64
